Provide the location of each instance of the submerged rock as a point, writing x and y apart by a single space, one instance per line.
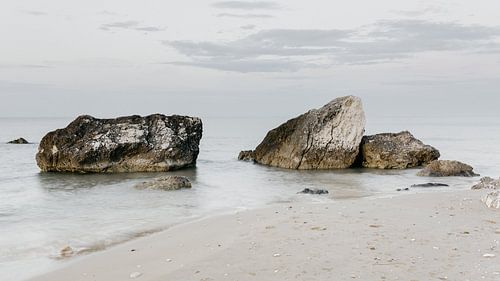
487 183
314 191
246 155
166 183
395 151
19 141
447 168
67 252
430 184
154 143
325 138
492 200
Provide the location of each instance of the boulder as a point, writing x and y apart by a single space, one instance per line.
154 143
487 183
246 155
325 138
166 183
314 191
492 200
19 141
395 151
447 168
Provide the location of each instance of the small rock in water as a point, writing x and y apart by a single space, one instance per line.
166 183
430 184
403 189
447 168
487 183
19 141
314 191
67 252
136 274
246 155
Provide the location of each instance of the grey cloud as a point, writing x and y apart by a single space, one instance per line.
131 25
248 27
247 5
24 66
35 13
245 16
382 42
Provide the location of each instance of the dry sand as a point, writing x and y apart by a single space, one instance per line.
433 236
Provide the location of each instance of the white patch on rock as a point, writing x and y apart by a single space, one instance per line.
54 149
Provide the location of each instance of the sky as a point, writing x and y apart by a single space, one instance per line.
248 58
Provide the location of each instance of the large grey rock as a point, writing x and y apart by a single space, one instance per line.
324 138
395 151
447 168
166 183
492 200
126 144
487 183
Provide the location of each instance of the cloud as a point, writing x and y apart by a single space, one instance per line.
34 66
248 27
245 16
381 42
130 25
247 5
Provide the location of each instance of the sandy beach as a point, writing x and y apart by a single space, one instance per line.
428 236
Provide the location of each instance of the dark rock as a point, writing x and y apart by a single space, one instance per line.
166 183
395 151
430 184
19 141
246 155
325 138
487 183
447 168
403 189
314 191
154 143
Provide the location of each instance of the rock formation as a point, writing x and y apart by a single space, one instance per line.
19 141
487 183
126 144
325 138
246 155
492 200
395 151
166 183
447 168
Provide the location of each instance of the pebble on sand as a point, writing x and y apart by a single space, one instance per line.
136 274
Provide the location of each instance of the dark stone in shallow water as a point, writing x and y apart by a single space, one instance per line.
430 184
314 191
19 141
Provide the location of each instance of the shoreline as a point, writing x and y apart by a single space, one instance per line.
383 238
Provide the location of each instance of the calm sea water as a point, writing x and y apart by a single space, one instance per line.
42 213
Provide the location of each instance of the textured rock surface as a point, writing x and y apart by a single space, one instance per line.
395 151
325 138
492 200
166 183
447 168
19 141
127 144
246 155
487 183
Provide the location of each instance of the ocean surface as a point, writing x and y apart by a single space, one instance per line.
41 213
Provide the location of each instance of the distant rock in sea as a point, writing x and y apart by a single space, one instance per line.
166 183
487 183
325 138
430 184
395 151
314 191
19 141
154 143
447 168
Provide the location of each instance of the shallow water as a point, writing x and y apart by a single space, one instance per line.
41 213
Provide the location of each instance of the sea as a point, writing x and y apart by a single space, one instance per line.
42 213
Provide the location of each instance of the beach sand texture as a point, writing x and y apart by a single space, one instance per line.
433 236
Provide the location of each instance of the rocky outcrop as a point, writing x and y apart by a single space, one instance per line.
127 144
325 138
394 151
447 168
492 200
166 183
19 141
314 191
487 183
246 155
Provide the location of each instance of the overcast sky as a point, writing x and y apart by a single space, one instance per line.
248 58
